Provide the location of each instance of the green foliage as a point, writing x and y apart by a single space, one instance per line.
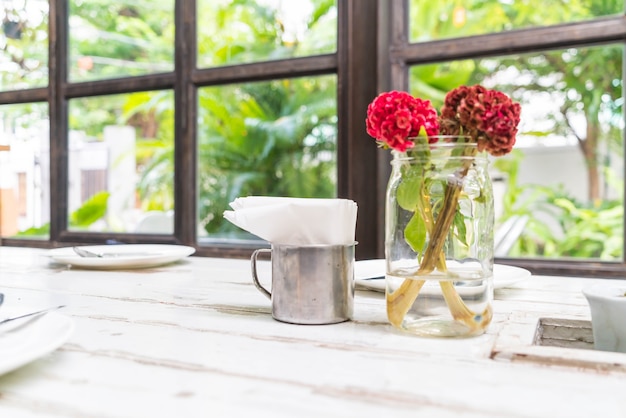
92 209
120 38
155 155
410 189
583 84
274 139
261 33
415 233
459 226
559 225
435 20
91 114
435 80
35 232
424 191
453 18
152 116
591 232
24 45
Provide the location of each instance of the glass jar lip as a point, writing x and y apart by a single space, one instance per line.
446 141
440 145
468 139
445 147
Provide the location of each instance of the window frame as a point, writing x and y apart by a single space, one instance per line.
402 54
355 18
373 55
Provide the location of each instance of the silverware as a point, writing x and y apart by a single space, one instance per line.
27 317
90 254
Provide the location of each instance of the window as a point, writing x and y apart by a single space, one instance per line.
175 108
24 44
273 138
571 114
231 33
123 39
563 184
25 171
120 160
124 110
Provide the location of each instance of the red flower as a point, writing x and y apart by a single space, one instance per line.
393 118
489 117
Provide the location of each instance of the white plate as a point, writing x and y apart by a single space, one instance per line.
30 342
370 275
127 256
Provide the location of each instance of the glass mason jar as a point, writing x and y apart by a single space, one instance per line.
439 240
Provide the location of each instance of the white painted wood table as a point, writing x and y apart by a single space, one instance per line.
196 339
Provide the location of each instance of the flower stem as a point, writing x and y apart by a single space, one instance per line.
460 311
399 302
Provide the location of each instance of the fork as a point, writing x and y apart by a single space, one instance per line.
29 316
91 254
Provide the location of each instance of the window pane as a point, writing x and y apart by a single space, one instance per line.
119 39
24 44
566 174
231 32
453 18
24 171
121 163
273 138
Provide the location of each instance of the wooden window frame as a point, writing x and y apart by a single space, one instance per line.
402 54
373 55
354 40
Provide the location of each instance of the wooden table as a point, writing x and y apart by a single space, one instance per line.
196 339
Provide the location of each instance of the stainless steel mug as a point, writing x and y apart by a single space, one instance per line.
310 284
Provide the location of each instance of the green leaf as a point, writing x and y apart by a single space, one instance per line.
41 231
461 230
92 210
415 232
409 190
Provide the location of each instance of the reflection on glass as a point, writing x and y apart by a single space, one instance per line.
120 39
274 138
242 31
430 20
24 171
564 179
121 163
24 44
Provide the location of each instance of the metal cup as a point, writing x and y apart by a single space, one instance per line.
310 284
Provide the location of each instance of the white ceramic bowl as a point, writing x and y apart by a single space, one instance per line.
608 316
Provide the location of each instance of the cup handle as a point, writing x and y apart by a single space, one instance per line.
255 277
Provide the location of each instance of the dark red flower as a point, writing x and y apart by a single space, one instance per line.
489 117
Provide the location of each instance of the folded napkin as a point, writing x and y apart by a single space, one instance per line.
296 221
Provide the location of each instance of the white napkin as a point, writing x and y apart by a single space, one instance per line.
296 221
